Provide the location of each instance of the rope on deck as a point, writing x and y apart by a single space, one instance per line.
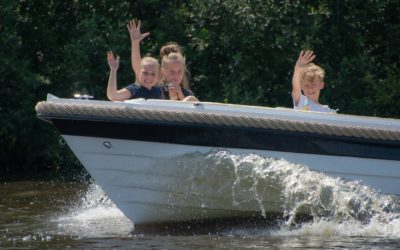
198 117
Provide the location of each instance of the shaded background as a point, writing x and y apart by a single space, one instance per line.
238 51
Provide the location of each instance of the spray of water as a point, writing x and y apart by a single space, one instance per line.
337 206
95 215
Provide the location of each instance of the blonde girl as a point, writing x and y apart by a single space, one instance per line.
173 66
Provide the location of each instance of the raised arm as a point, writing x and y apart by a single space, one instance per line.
304 59
136 37
112 92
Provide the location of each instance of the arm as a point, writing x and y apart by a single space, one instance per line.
136 37
112 93
304 59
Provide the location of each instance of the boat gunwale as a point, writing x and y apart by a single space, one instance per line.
122 114
232 109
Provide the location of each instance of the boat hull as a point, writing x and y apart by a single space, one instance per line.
146 181
151 157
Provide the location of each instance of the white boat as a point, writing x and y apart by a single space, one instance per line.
132 150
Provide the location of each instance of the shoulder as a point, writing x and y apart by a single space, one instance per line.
133 88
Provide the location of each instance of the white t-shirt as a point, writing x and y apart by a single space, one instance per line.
307 104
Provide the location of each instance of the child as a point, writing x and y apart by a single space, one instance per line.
175 86
307 83
173 69
146 80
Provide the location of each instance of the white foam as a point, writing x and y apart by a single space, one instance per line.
329 228
94 216
339 207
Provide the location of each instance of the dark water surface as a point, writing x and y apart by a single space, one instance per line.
56 215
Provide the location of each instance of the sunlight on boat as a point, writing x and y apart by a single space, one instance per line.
337 206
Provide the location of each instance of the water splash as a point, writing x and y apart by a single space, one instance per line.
336 206
95 215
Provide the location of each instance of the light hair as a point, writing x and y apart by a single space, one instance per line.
172 52
173 57
169 48
312 72
150 61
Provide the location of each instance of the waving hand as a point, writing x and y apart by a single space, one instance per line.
134 31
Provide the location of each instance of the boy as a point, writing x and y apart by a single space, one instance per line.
307 83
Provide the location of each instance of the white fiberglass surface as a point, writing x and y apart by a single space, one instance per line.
380 174
191 179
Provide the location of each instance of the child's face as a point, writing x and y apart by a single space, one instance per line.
312 89
148 75
173 72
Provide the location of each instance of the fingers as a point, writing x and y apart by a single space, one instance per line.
172 87
307 55
311 58
131 25
145 35
110 55
111 58
134 30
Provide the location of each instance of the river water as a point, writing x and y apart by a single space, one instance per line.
60 215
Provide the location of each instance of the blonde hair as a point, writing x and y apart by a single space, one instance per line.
172 52
150 61
313 71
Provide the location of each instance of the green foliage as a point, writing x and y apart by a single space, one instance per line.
238 51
